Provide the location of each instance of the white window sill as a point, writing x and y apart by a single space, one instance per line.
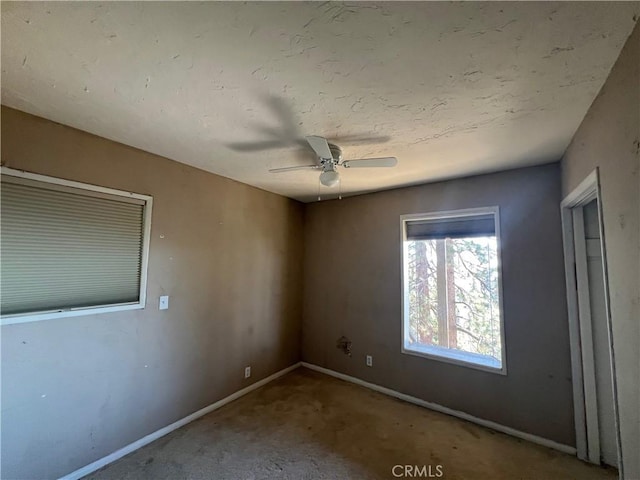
74 312
457 357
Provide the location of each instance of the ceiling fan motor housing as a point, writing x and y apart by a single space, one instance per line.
329 165
329 176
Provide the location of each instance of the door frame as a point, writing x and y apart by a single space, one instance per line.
582 359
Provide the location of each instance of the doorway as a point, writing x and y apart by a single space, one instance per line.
592 354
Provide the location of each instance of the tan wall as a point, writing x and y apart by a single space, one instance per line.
352 284
609 138
77 389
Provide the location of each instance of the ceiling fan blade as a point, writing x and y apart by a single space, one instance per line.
292 169
285 113
371 162
257 146
320 146
359 139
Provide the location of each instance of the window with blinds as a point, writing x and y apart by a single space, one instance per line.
69 248
451 286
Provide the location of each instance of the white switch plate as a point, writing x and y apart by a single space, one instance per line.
247 372
369 361
164 302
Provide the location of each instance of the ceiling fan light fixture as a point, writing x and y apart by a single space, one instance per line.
329 178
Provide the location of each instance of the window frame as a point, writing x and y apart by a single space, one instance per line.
96 309
443 354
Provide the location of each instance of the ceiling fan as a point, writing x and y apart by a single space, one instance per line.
330 157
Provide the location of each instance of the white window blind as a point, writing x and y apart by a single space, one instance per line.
461 227
65 248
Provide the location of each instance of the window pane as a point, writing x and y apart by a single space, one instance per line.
453 299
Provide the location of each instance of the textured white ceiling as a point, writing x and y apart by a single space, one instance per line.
454 88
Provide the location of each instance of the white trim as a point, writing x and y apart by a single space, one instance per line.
147 203
92 467
70 183
586 337
452 358
448 411
612 351
500 293
585 192
455 357
579 413
146 246
465 212
73 312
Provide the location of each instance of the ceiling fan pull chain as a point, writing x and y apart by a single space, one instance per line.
318 189
340 188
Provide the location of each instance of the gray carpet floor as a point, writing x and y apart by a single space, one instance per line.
307 425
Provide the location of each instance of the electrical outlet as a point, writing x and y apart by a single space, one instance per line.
369 361
247 372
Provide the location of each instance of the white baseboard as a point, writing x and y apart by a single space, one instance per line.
92 467
439 408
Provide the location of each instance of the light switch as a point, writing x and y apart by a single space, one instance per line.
164 302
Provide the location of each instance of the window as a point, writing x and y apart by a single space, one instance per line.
70 249
452 288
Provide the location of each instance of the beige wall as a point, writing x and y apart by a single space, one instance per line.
609 139
352 275
77 389
231 261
